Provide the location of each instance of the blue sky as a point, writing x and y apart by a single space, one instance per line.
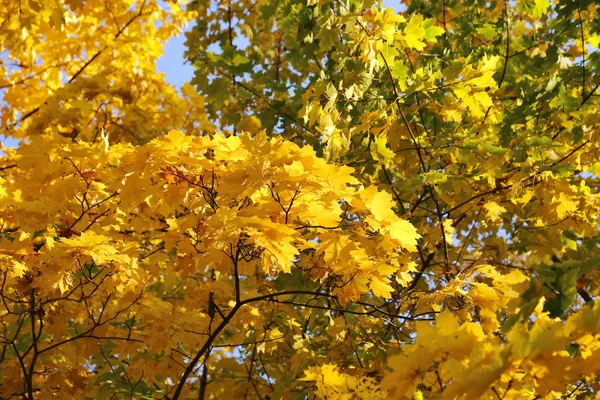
172 62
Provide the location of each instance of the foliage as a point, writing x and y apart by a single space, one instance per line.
351 203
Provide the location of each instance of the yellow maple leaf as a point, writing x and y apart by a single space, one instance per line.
492 210
277 240
565 205
448 230
405 233
381 287
380 204
419 30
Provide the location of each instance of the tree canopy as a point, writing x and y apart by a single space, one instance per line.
347 202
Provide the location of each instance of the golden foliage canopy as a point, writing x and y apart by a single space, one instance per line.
347 202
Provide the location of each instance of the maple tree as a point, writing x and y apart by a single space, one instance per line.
346 202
